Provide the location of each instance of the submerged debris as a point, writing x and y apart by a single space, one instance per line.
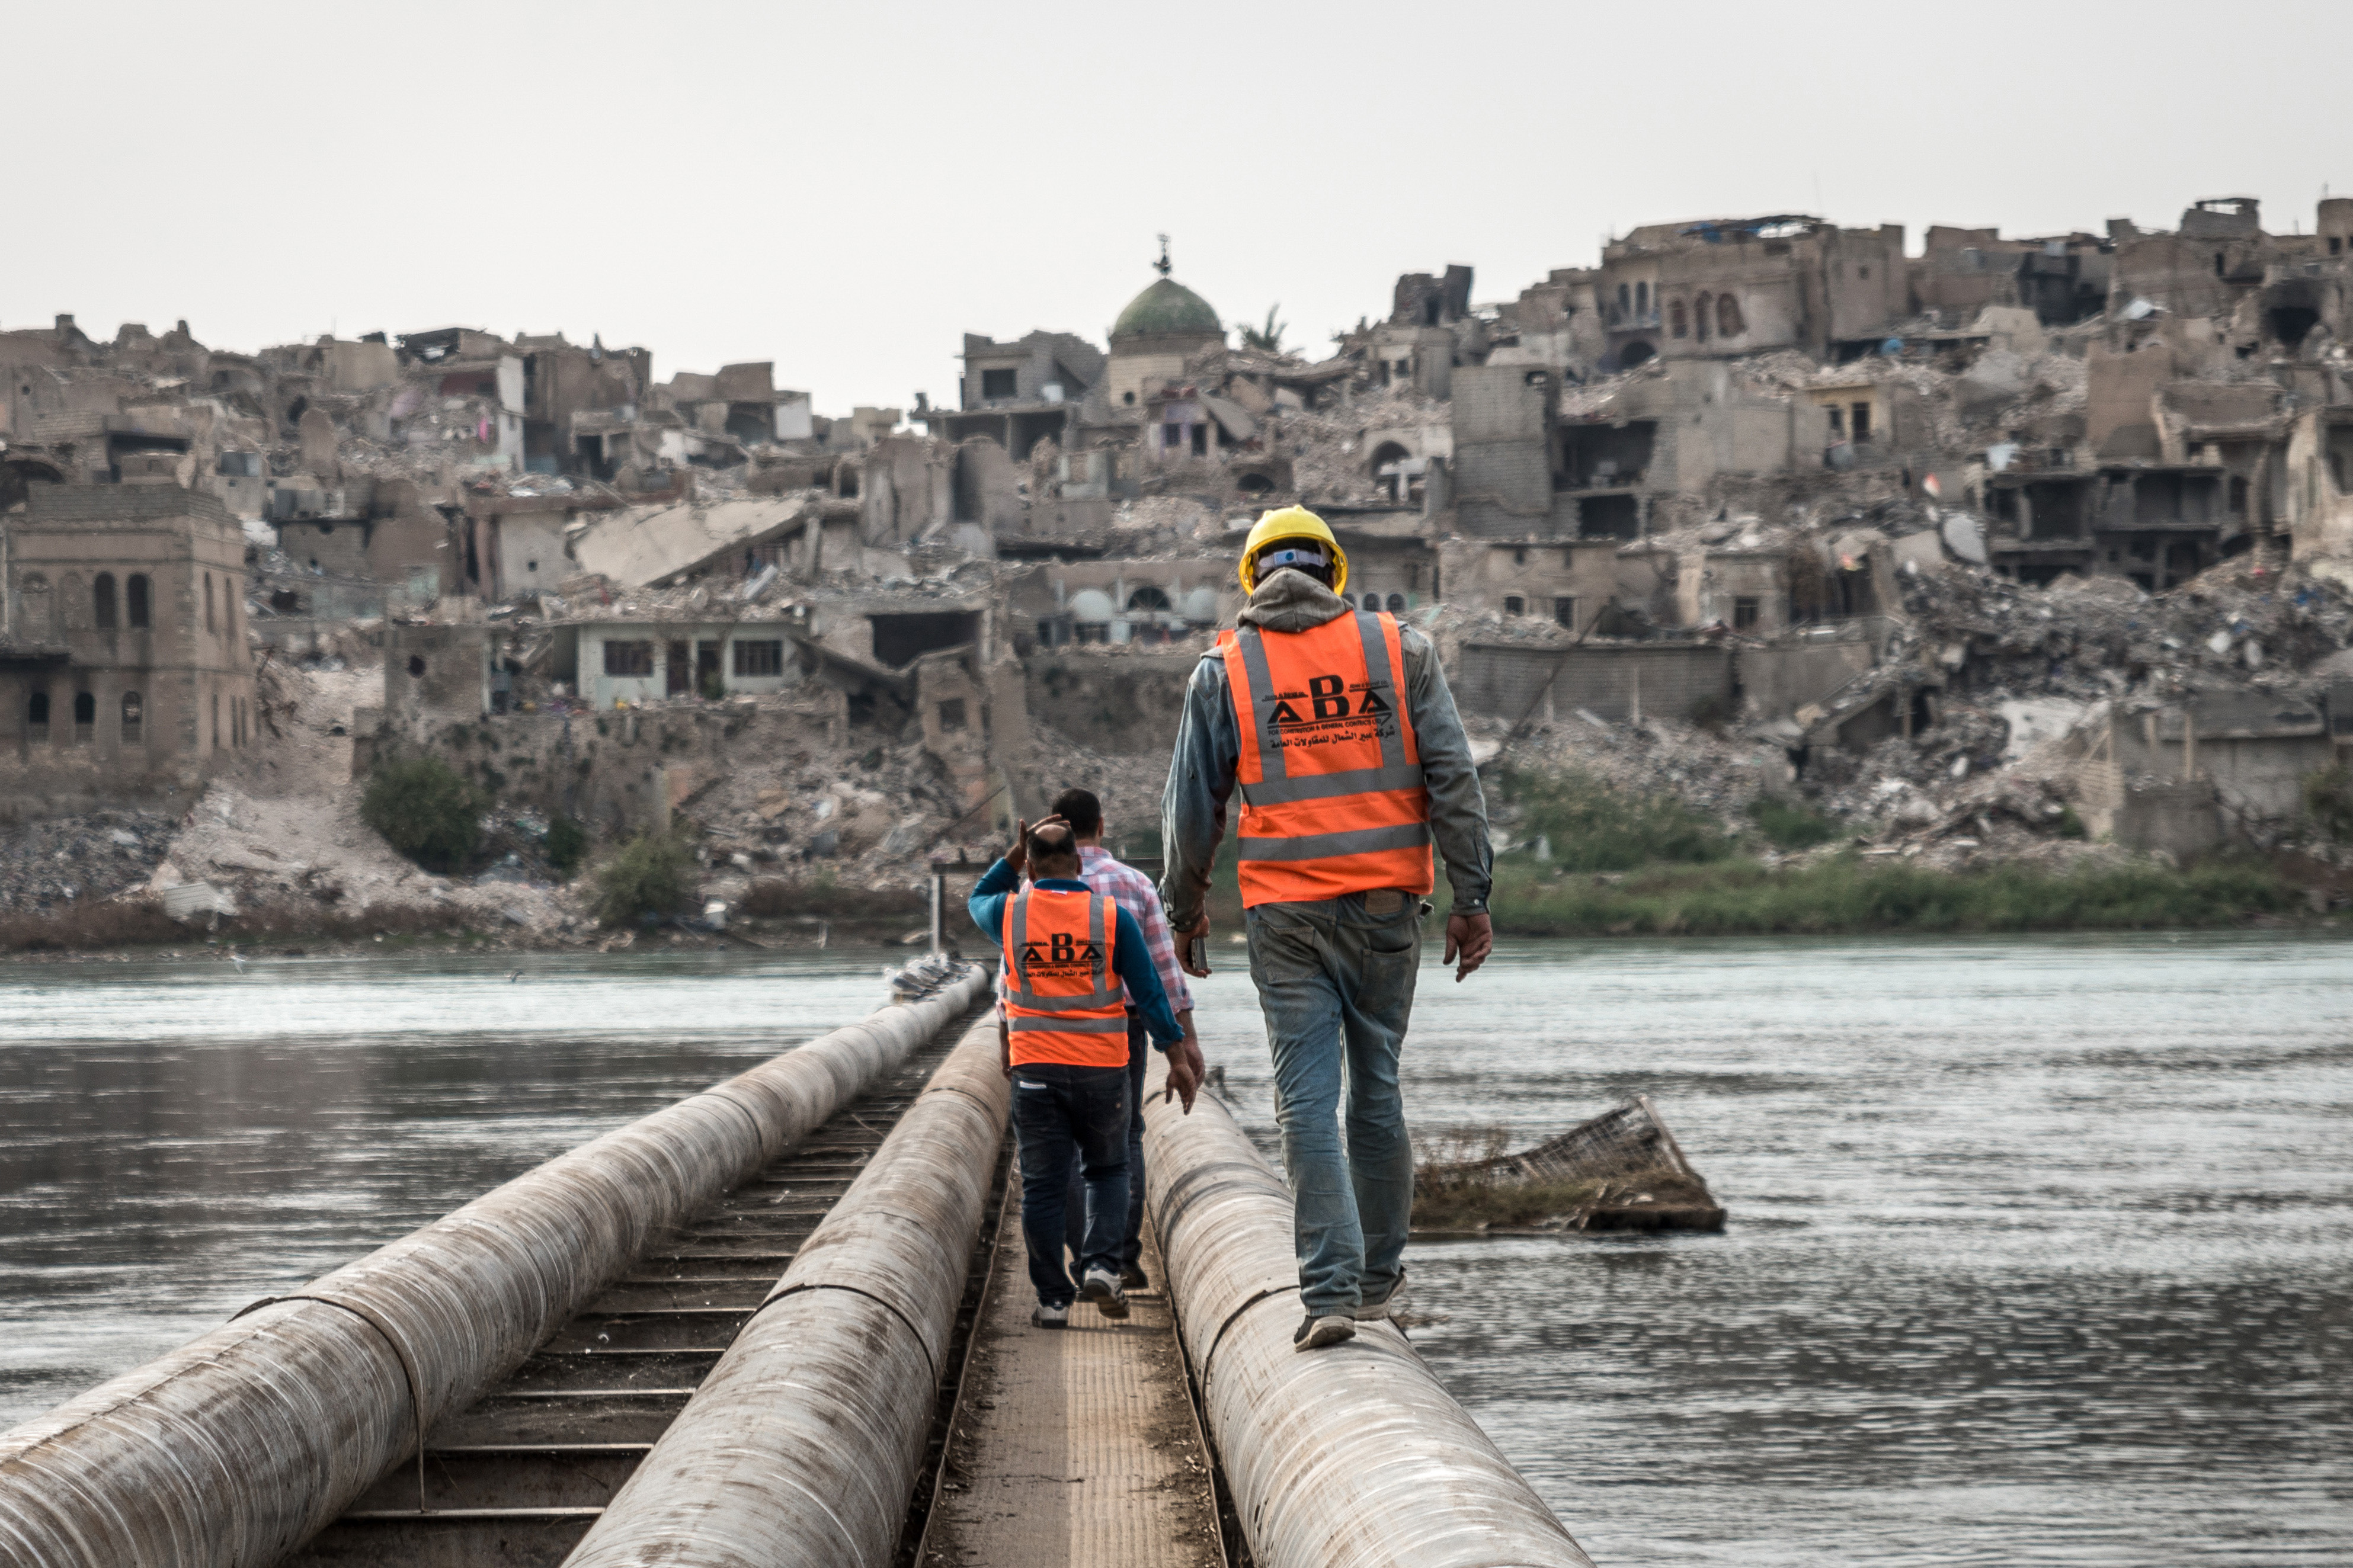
1621 1171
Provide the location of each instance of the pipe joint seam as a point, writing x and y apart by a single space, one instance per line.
854 1290
1209 1352
759 1133
399 1354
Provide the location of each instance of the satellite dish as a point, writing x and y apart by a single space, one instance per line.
1965 537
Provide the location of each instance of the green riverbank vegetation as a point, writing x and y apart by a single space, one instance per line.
1590 862
1845 894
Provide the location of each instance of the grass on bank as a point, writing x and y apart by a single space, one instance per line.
1589 826
426 810
652 873
1847 894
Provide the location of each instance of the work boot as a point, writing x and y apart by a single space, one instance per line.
1102 1288
1050 1315
1315 1333
1388 1306
1132 1277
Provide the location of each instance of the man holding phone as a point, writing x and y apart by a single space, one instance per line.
1335 727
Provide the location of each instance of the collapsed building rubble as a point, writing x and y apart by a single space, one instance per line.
1968 550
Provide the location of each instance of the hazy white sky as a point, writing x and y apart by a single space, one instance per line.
847 189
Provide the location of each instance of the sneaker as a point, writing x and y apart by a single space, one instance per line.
1315 1333
1132 1277
1047 1316
1102 1288
1374 1311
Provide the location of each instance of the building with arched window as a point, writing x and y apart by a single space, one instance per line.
1721 287
110 664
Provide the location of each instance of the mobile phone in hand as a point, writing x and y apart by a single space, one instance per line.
1196 954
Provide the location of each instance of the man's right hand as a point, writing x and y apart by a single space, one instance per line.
1198 931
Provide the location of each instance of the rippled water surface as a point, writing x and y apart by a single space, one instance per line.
177 1140
2040 1252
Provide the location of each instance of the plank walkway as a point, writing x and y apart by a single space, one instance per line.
1077 1446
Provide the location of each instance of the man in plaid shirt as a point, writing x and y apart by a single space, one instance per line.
1134 891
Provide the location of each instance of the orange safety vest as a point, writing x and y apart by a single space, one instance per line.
1330 774
1063 999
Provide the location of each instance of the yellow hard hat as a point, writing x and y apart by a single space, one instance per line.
1291 522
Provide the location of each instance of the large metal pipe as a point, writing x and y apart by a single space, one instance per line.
803 1444
237 1448
1352 1455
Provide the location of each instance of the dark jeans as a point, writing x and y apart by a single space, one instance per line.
1061 1112
1131 1241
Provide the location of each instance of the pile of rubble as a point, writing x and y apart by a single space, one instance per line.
2021 676
55 861
1331 449
2241 623
871 820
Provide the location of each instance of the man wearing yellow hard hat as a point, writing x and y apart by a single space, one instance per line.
1334 726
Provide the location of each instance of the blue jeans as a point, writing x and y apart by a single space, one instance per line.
1336 981
1131 1241
1059 1111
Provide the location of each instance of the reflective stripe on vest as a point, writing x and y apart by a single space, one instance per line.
1330 772
1063 998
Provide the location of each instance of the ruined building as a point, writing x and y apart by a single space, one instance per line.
1715 472
124 670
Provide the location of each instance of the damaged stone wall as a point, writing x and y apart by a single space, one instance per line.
1515 683
1127 705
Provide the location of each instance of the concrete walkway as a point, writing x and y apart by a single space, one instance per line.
1076 1445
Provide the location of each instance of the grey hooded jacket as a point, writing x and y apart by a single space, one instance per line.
1208 749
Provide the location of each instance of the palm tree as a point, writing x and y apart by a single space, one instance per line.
1267 338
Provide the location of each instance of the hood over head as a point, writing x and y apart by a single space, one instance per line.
1291 600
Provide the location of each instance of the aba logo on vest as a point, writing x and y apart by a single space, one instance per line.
1062 953
1329 701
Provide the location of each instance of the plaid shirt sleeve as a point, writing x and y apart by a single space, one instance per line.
1132 890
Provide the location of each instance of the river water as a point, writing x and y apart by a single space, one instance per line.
2040 1252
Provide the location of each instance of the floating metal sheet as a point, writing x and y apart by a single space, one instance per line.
804 1443
1352 1455
235 1448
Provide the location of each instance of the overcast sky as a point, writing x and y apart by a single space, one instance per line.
846 190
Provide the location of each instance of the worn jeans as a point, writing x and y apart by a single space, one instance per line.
1059 1111
1131 1241
1336 981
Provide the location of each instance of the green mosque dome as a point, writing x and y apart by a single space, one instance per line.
1168 306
